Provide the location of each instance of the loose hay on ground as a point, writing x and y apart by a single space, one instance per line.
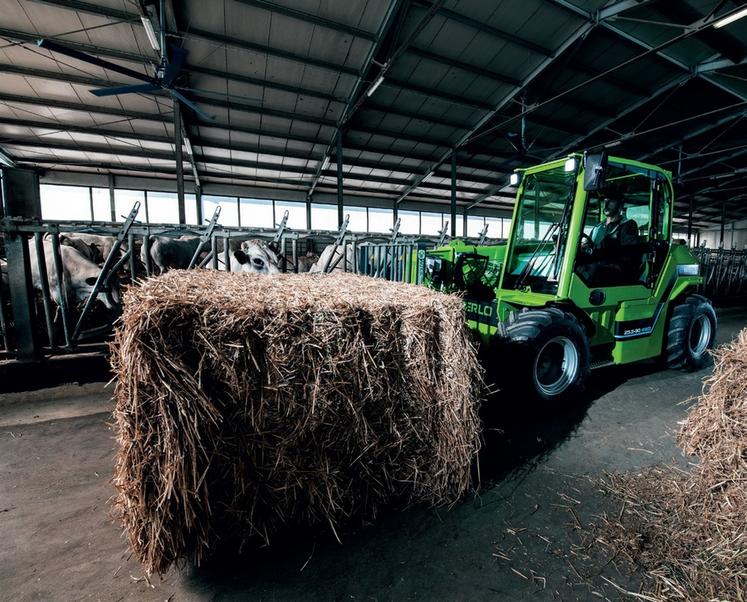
247 404
688 529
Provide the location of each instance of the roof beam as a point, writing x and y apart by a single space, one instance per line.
264 83
70 78
357 94
392 82
73 78
720 160
489 29
139 59
300 15
112 53
200 70
89 130
480 71
658 51
266 50
677 81
6 159
694 134
616 8
572 39
705 75
104 11
74 106
716 65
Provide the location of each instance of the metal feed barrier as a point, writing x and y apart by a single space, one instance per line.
724 272
45 321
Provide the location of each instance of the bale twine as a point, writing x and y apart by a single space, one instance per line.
246 404
688 529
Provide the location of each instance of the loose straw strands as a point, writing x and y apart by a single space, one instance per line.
688 529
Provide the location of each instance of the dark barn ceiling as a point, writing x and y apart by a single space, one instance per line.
499 84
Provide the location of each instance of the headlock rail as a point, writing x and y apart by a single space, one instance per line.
42 312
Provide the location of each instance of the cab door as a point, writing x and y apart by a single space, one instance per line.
615 285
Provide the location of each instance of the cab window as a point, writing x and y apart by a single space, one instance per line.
621 225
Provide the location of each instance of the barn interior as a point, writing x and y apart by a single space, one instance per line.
382 128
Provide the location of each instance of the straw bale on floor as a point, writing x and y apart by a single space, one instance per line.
688 529
247 404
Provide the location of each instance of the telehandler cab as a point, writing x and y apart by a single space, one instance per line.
589 277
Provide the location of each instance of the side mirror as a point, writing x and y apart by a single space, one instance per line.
595 171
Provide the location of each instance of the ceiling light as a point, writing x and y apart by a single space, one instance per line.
376 84
731 18
325 163
188 144
152 37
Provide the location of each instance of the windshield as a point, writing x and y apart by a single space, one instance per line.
541 230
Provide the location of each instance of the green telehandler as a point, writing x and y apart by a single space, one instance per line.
589 276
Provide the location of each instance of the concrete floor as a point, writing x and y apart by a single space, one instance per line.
512 540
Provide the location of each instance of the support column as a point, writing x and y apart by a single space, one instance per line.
112 207
453 193
179 162
308 212
690 221
723 223
21 196
395 213
464 222
21 295
198 208
340 209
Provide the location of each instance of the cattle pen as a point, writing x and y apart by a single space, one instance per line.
35 322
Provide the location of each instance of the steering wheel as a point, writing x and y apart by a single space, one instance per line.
587 244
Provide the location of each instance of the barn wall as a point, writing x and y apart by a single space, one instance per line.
212 188
735 236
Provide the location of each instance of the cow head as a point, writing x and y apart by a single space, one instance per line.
89 250
256 257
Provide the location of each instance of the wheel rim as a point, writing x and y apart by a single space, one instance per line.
700 335
556 366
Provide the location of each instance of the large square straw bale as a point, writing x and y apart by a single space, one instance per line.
249 404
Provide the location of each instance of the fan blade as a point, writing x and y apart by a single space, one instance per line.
93 60
115 91
178 56
191 105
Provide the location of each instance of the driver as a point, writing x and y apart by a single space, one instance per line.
611 263
616 230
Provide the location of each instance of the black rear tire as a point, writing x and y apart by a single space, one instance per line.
691 333
544 354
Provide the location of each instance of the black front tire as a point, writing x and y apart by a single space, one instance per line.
691 333
545 354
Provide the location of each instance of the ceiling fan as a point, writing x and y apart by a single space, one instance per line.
165 78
